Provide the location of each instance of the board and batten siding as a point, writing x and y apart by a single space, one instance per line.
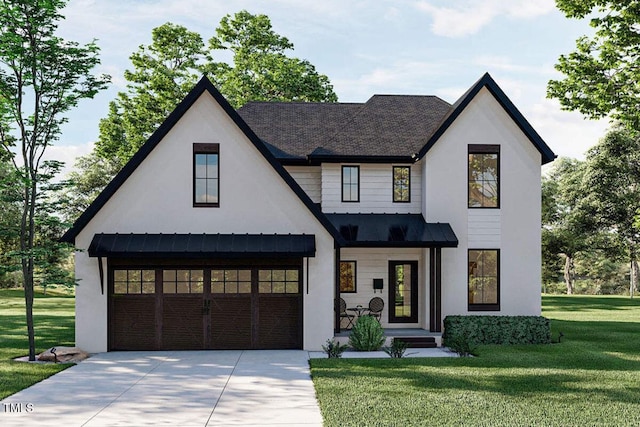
309 178
376 189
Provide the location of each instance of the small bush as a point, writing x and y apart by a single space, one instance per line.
498 329
462 345
396 349
366 334
334 349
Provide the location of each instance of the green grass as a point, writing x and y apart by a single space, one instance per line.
591 378
53 317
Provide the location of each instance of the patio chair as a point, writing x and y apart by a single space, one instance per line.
376 305
344 315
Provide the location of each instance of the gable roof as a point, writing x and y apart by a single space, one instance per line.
486 81
204 85
387 128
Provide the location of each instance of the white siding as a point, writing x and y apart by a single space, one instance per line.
484 228
374 264
376 190
514 228
157 198
310 179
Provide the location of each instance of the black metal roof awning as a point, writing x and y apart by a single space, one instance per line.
392 230
202 245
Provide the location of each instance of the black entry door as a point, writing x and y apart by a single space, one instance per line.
403 291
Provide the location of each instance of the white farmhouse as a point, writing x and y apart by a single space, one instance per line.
276 225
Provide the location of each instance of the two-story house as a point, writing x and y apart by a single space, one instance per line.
260 228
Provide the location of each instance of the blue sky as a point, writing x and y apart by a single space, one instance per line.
425 47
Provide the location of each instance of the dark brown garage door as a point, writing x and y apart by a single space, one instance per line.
205 308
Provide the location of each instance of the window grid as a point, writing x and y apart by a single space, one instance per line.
134 281
348 277
278 281
484 176
206 175
401 184
182 281
484 279
231 281
350 183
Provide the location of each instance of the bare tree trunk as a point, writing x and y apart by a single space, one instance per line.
27 230
569 276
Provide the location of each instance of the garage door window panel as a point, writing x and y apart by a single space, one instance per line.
132 282
278 281
230 282
182 281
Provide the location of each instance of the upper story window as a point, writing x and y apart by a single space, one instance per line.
401 184
350 183
484 176
206 175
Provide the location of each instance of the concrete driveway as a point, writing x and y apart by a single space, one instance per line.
181 388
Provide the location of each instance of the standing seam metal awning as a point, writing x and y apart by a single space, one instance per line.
202 245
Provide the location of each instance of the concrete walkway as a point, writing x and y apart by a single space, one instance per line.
181 388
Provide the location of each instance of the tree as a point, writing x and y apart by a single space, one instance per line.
612 192
9 219
41 78
566 229
163 73
261 71
602 74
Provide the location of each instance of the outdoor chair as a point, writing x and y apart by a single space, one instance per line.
375 308
344 315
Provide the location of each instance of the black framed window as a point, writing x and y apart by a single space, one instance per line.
484 176
401 184
348 277
484 279
350 183
182 281
277 281
206 175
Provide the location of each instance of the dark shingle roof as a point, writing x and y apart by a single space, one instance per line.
386 125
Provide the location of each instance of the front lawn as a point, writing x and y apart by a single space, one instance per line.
54 325
591 378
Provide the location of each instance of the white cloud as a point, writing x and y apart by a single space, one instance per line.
470 16
67 154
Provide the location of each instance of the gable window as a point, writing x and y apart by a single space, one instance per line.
206 175
484 176
484 279
347 276
401 184
350 183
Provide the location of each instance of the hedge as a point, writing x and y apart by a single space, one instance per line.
499 329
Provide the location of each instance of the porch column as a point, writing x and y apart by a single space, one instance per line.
435 289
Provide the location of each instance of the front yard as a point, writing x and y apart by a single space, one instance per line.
591 378
54 325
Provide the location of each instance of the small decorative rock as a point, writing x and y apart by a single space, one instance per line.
63 355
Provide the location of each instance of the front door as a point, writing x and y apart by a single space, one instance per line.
403 291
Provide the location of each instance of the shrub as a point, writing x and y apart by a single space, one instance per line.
366 334
334 349
397 348
498 329
462 345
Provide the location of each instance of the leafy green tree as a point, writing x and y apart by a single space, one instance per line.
163 73
566 229
612 192
9 219
261 71
41 78
602 74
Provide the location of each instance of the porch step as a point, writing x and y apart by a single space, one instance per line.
419 342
